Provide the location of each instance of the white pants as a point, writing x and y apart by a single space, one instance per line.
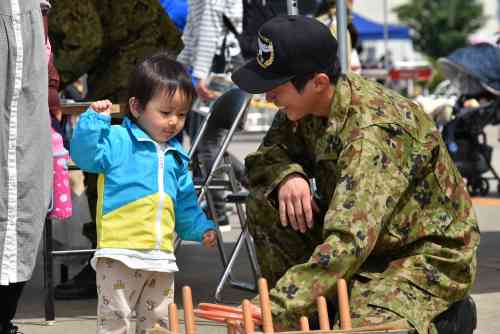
122 290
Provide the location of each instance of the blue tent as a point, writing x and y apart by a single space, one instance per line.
371 30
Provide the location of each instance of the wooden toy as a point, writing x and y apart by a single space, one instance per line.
265 306
173 318
187 301
248 322
243 319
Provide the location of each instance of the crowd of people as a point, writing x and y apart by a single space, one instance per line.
389 212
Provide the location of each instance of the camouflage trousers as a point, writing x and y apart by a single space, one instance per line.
279 248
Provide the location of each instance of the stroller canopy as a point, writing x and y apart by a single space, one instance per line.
474 69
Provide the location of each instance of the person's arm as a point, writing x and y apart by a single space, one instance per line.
210 30
93 146
187 38
369 185
191 223
281 153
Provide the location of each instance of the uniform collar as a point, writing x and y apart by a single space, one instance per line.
140 135
342 100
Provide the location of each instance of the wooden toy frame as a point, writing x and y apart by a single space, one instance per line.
246 317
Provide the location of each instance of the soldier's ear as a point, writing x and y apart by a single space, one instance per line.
321 82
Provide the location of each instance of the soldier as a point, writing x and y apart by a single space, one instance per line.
390 212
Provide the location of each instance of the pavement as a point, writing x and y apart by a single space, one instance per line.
201 268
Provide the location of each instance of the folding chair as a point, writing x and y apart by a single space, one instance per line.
226 113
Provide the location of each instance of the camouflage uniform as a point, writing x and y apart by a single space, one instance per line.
396 220
106 39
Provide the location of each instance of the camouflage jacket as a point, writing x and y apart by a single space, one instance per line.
392 200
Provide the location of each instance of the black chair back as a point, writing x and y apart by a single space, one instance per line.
226 108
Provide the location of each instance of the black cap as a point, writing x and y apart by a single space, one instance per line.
288 46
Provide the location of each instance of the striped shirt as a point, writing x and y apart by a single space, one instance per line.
205 31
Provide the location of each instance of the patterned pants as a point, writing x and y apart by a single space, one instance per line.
122 290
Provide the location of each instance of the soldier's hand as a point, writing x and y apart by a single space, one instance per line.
103 107
296 204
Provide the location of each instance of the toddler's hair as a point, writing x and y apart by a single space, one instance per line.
159 74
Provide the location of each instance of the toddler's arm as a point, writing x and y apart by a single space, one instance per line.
102 107
92 141
191 222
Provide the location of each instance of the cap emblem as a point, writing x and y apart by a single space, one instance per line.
265 55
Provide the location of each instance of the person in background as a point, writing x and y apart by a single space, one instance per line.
145 195
25 150
255 14
327 14
204 36
355 63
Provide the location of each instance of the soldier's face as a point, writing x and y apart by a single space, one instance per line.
295 104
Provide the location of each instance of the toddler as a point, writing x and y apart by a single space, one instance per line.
145 193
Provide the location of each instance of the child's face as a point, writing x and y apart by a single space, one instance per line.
163 117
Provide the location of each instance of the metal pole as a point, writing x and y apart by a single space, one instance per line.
342 34
292 7
386 36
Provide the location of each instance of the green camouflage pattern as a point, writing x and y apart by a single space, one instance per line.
395 218
106 38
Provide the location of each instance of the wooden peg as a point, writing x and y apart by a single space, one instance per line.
324 321
173 318
187 301
304 324
345 314
265 306
247 317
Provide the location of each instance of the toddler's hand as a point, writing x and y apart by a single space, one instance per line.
102 107
210 239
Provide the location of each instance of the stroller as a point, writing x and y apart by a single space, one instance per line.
475 72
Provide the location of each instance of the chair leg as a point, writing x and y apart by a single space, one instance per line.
252 254
229 268
244 238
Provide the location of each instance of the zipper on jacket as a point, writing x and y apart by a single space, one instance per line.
161 204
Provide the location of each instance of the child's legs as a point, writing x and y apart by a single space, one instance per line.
118 289
152 306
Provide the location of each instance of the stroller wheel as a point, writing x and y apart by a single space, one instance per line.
485 187
479 187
